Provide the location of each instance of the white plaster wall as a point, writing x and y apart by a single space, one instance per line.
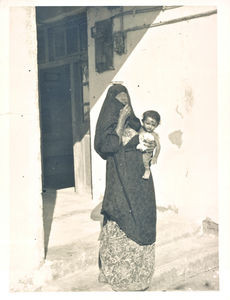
98 83
4 137
26 225
173 70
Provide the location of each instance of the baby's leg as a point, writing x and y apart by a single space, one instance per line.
146 160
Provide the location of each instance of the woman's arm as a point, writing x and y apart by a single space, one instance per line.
112 139
124 114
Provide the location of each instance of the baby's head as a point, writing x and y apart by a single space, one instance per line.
151 119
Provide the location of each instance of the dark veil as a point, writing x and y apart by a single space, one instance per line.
108 117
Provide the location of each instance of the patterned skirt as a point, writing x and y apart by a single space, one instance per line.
124 264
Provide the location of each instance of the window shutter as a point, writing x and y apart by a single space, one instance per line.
104 45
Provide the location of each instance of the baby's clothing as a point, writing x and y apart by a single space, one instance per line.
147 156
144 137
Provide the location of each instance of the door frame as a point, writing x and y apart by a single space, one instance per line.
80 125
79 146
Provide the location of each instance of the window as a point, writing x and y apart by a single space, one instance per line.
72 40
103 45
62 39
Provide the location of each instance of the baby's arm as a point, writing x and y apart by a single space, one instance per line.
157 149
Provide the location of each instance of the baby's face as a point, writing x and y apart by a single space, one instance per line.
149 124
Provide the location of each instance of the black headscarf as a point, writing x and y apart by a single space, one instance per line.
108 117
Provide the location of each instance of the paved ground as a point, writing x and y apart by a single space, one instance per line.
186 259
205 281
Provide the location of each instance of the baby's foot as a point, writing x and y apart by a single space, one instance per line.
146 174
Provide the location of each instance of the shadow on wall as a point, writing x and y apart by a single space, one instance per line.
136 20
49 201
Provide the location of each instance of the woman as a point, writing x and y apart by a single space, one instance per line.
127 245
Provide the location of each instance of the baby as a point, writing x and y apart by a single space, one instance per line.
150 121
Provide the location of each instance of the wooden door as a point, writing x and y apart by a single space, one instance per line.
56 127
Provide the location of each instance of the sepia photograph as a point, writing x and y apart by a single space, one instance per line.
113 136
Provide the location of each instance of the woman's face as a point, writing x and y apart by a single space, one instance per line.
123 98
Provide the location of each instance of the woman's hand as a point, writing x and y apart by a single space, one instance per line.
125 113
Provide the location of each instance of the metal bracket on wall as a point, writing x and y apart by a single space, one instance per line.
119 39
93 32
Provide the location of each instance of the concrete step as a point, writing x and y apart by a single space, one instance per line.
172 227
64 202
73 257
80 281
183 259
69 240
182 250
176 263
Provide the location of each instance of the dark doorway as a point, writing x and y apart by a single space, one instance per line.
56 126
64 97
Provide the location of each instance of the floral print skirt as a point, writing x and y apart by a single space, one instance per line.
124 264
